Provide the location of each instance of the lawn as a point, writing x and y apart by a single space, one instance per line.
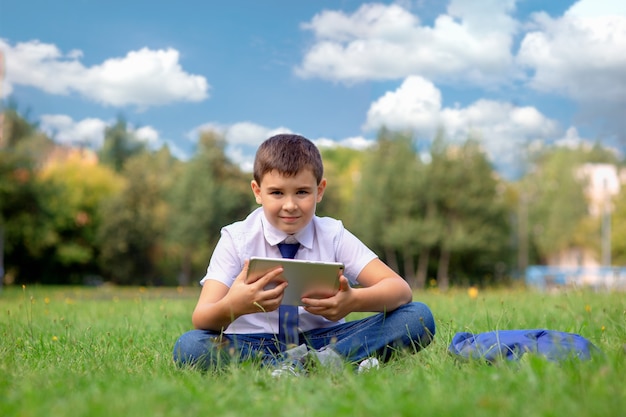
107 352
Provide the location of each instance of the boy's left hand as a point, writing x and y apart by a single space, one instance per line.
335 307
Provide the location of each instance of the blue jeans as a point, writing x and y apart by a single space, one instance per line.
410 326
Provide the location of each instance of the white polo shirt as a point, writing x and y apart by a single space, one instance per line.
323 239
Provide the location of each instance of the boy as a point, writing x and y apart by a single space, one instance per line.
235 319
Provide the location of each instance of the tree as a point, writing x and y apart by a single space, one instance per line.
372 202
410 230
393 210
618 229
120 144
342 169
80 185
558 209
134 221
22 210
473 218
209 193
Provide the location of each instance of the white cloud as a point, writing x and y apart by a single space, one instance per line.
580 55
597 8
355 142
251 134
244 138
64 130
501 127
377 42
241 133
415 105
90 132
142 78
572 139
149 135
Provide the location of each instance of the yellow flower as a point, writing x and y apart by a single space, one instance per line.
472 292
54 338
603 329
588 308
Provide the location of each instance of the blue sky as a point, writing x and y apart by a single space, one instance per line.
509 72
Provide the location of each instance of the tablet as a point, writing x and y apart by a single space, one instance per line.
314 279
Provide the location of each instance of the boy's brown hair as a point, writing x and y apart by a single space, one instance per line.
288 154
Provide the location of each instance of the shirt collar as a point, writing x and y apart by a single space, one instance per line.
274 236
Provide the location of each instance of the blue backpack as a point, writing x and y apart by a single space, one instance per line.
513 344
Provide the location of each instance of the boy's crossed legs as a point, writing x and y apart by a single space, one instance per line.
409 326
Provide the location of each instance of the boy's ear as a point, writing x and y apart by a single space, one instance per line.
256 189
320 189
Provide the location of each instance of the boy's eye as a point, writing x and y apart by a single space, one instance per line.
303 192
275 192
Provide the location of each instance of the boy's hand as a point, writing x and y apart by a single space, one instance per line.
252 297
335 307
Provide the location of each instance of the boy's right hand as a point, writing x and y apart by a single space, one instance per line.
252 297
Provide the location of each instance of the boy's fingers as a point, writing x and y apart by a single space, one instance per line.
277 292
344 285
244 272
270 276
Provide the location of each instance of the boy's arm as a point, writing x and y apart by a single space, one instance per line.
211 313
382 289
219 305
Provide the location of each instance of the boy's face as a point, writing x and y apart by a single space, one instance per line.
289 202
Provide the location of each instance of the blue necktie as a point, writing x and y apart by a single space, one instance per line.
287 314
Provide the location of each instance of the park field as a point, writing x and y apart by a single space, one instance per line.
106 351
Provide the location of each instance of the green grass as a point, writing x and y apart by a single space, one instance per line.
107 352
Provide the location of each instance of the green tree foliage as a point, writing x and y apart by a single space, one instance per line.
23 215
342 169
150 219
120 144
557 204
450 207
134 221
79 187
209 193
410 230
372 207
470 210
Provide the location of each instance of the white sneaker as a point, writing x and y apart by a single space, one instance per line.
327 358
287 370
368 364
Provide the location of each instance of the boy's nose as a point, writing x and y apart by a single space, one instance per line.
290 204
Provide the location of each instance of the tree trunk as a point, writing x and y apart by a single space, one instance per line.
184 278
422 269
1 256
443 281
392 261
409 268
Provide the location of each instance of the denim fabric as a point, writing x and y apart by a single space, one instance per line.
410 326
